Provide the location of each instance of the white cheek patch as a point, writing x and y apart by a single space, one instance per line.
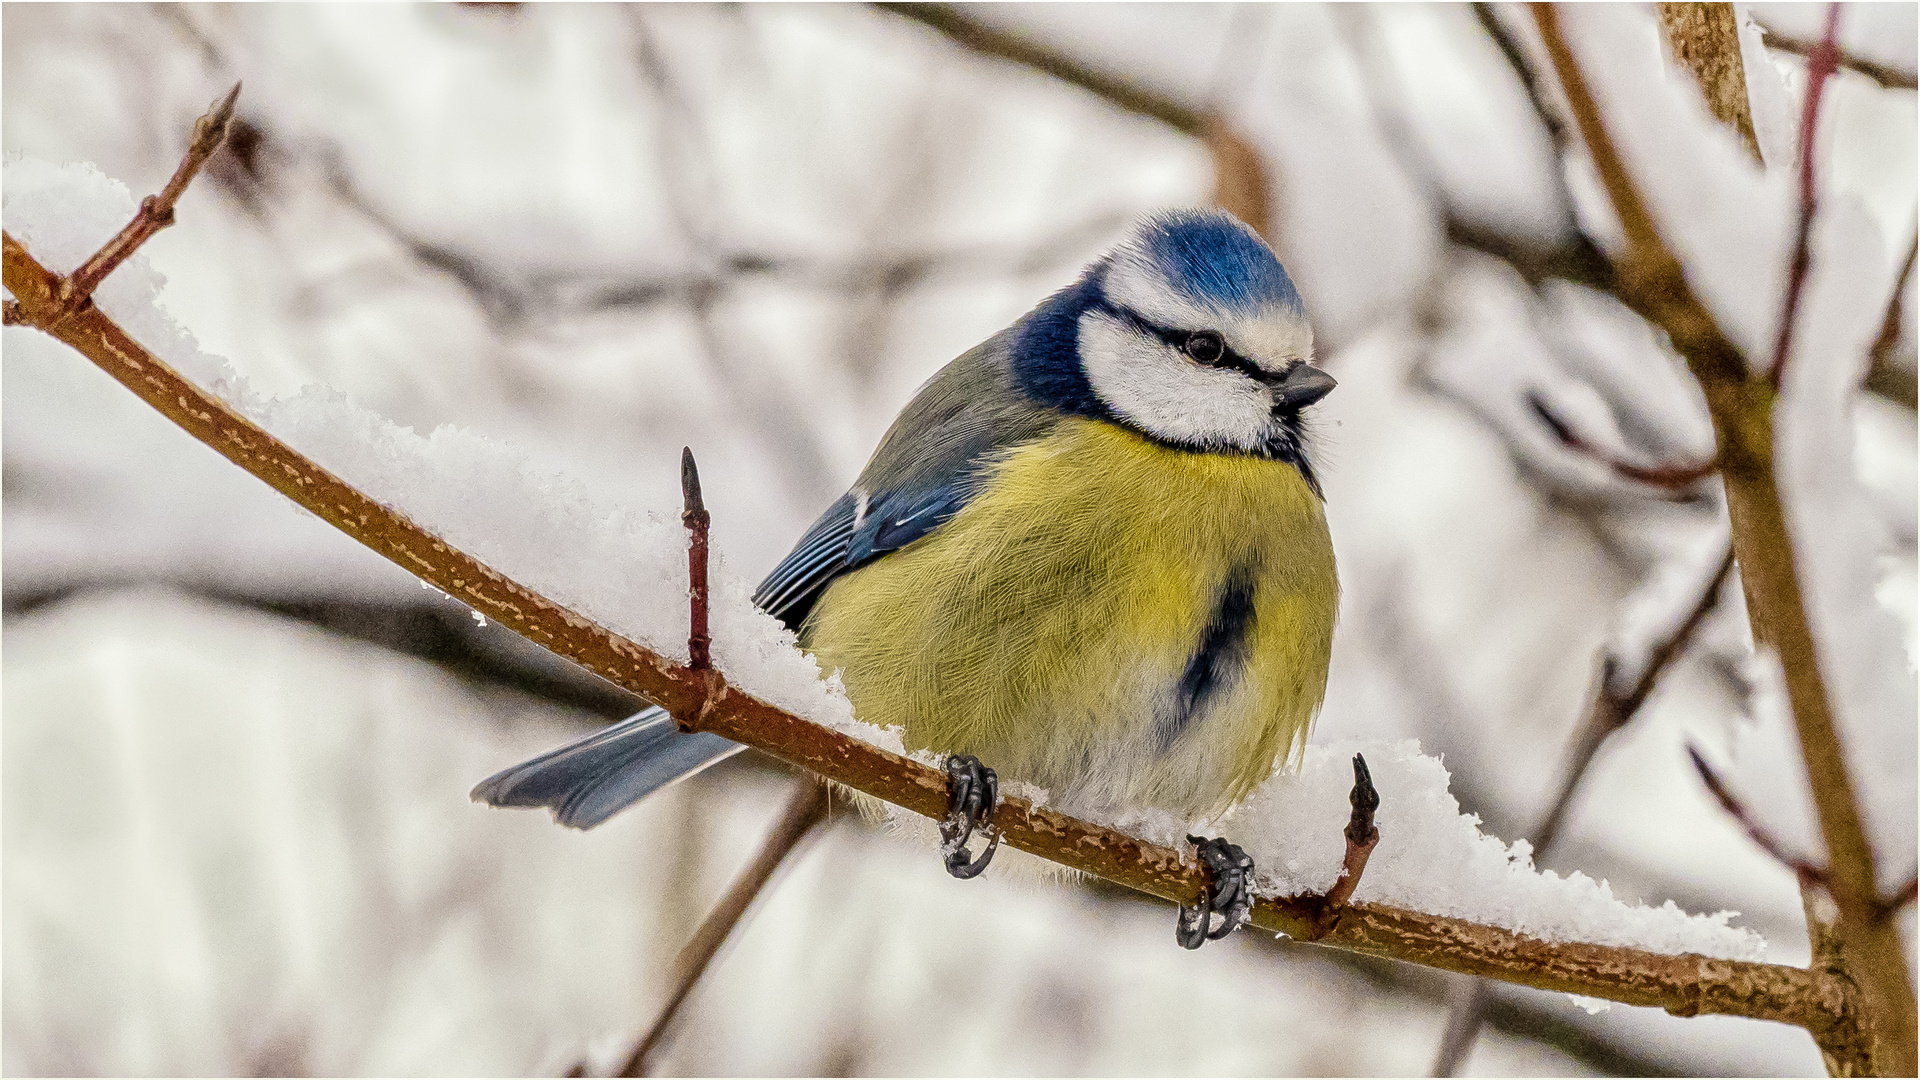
1274 341
1167 395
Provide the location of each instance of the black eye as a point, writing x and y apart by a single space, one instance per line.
1205 346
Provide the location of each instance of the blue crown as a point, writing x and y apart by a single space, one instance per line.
1215 260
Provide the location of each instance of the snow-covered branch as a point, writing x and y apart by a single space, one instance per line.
570 601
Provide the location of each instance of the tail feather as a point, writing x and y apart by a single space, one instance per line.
586 782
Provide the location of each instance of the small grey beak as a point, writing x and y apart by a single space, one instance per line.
1303 386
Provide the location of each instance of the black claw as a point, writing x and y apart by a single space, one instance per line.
972 793
1229 893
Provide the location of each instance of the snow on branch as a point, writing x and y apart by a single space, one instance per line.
601 586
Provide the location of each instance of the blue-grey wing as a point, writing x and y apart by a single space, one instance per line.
927 467
924 471
586 782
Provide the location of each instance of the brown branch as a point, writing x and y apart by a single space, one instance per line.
806 809
1806 871
1241 185
1683 984
1742 412
156 211
1820 67
1887 75
1705 38
970 33
1609 710
1885 376
1669 477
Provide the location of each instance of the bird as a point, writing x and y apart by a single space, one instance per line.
1091 553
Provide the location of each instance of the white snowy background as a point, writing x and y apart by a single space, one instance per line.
237 746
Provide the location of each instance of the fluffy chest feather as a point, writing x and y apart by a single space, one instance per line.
1122 623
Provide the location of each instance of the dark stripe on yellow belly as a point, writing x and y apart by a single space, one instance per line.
1218 660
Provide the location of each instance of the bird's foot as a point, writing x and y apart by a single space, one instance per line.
972 792
1229 893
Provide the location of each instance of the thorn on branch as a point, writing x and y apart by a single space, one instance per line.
10 313
1665 477
1822 61
155 213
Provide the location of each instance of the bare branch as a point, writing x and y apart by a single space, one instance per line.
156 211
1742 410
806 809
1706 39
1669 477
1806 871
977 36
1820 67
1887 75
1362 835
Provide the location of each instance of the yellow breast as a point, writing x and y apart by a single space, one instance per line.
1051 628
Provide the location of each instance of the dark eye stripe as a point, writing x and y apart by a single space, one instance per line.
1177 339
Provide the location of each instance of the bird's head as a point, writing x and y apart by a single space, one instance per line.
1189 332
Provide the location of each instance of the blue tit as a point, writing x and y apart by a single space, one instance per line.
1090 552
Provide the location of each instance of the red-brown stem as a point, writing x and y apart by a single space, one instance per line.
1803 869
1821 64
1362 836
1668 477
698 523
156 211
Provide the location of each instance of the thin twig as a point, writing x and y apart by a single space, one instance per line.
1611 708
987 40
1608 710
1669 477
156 211
1820 67
1803 869
1887 75
1361 834
806 809
698 523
